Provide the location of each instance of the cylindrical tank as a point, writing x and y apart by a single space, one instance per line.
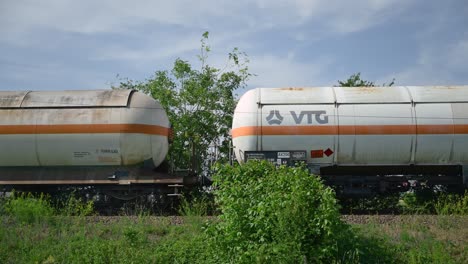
81 128
356 126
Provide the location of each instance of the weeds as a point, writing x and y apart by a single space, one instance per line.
197 206
74 206
27 209
452 204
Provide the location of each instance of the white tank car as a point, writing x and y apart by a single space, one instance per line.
80 129
362 130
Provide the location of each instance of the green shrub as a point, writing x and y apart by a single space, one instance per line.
452 204
28 209
196 206
282 214
74 206
418 202
427 201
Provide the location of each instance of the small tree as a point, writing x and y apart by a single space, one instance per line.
269 214
356 81
200 104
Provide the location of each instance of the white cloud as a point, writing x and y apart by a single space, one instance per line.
90 17
152 33
458 55
436 65
153 49
276 71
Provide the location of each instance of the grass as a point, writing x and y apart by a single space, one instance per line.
91 240
421 239
146 239
34 231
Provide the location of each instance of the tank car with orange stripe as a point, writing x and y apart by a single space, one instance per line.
101 138
361 139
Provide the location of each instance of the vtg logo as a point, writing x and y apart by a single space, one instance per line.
275 118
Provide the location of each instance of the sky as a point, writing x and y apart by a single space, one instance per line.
86 44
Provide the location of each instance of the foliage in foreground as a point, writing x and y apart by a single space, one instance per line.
28 208
275 214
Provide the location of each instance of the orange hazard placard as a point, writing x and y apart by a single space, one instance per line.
318 153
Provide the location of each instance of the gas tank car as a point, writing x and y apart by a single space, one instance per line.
98 137
362 140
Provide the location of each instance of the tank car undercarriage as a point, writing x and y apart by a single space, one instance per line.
371 180
108 187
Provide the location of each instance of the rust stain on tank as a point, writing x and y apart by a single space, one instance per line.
11 99
291 89
446 87
368 90
100 116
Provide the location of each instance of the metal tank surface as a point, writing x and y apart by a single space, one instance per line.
81 137
358 131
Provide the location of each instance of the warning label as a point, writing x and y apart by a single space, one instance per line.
317 153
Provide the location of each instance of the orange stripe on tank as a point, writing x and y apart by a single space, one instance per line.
299 130
84 129
385 130
245 131
460 129
350 130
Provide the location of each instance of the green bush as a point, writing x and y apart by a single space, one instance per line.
26 208
195 207
73 206
452 204
275 214
70 204
418 201
428 201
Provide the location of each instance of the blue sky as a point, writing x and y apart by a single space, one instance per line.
62 44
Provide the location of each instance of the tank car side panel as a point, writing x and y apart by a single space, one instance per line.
384 134
18 150
434 133
346 147
460 137
70 137
17 146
